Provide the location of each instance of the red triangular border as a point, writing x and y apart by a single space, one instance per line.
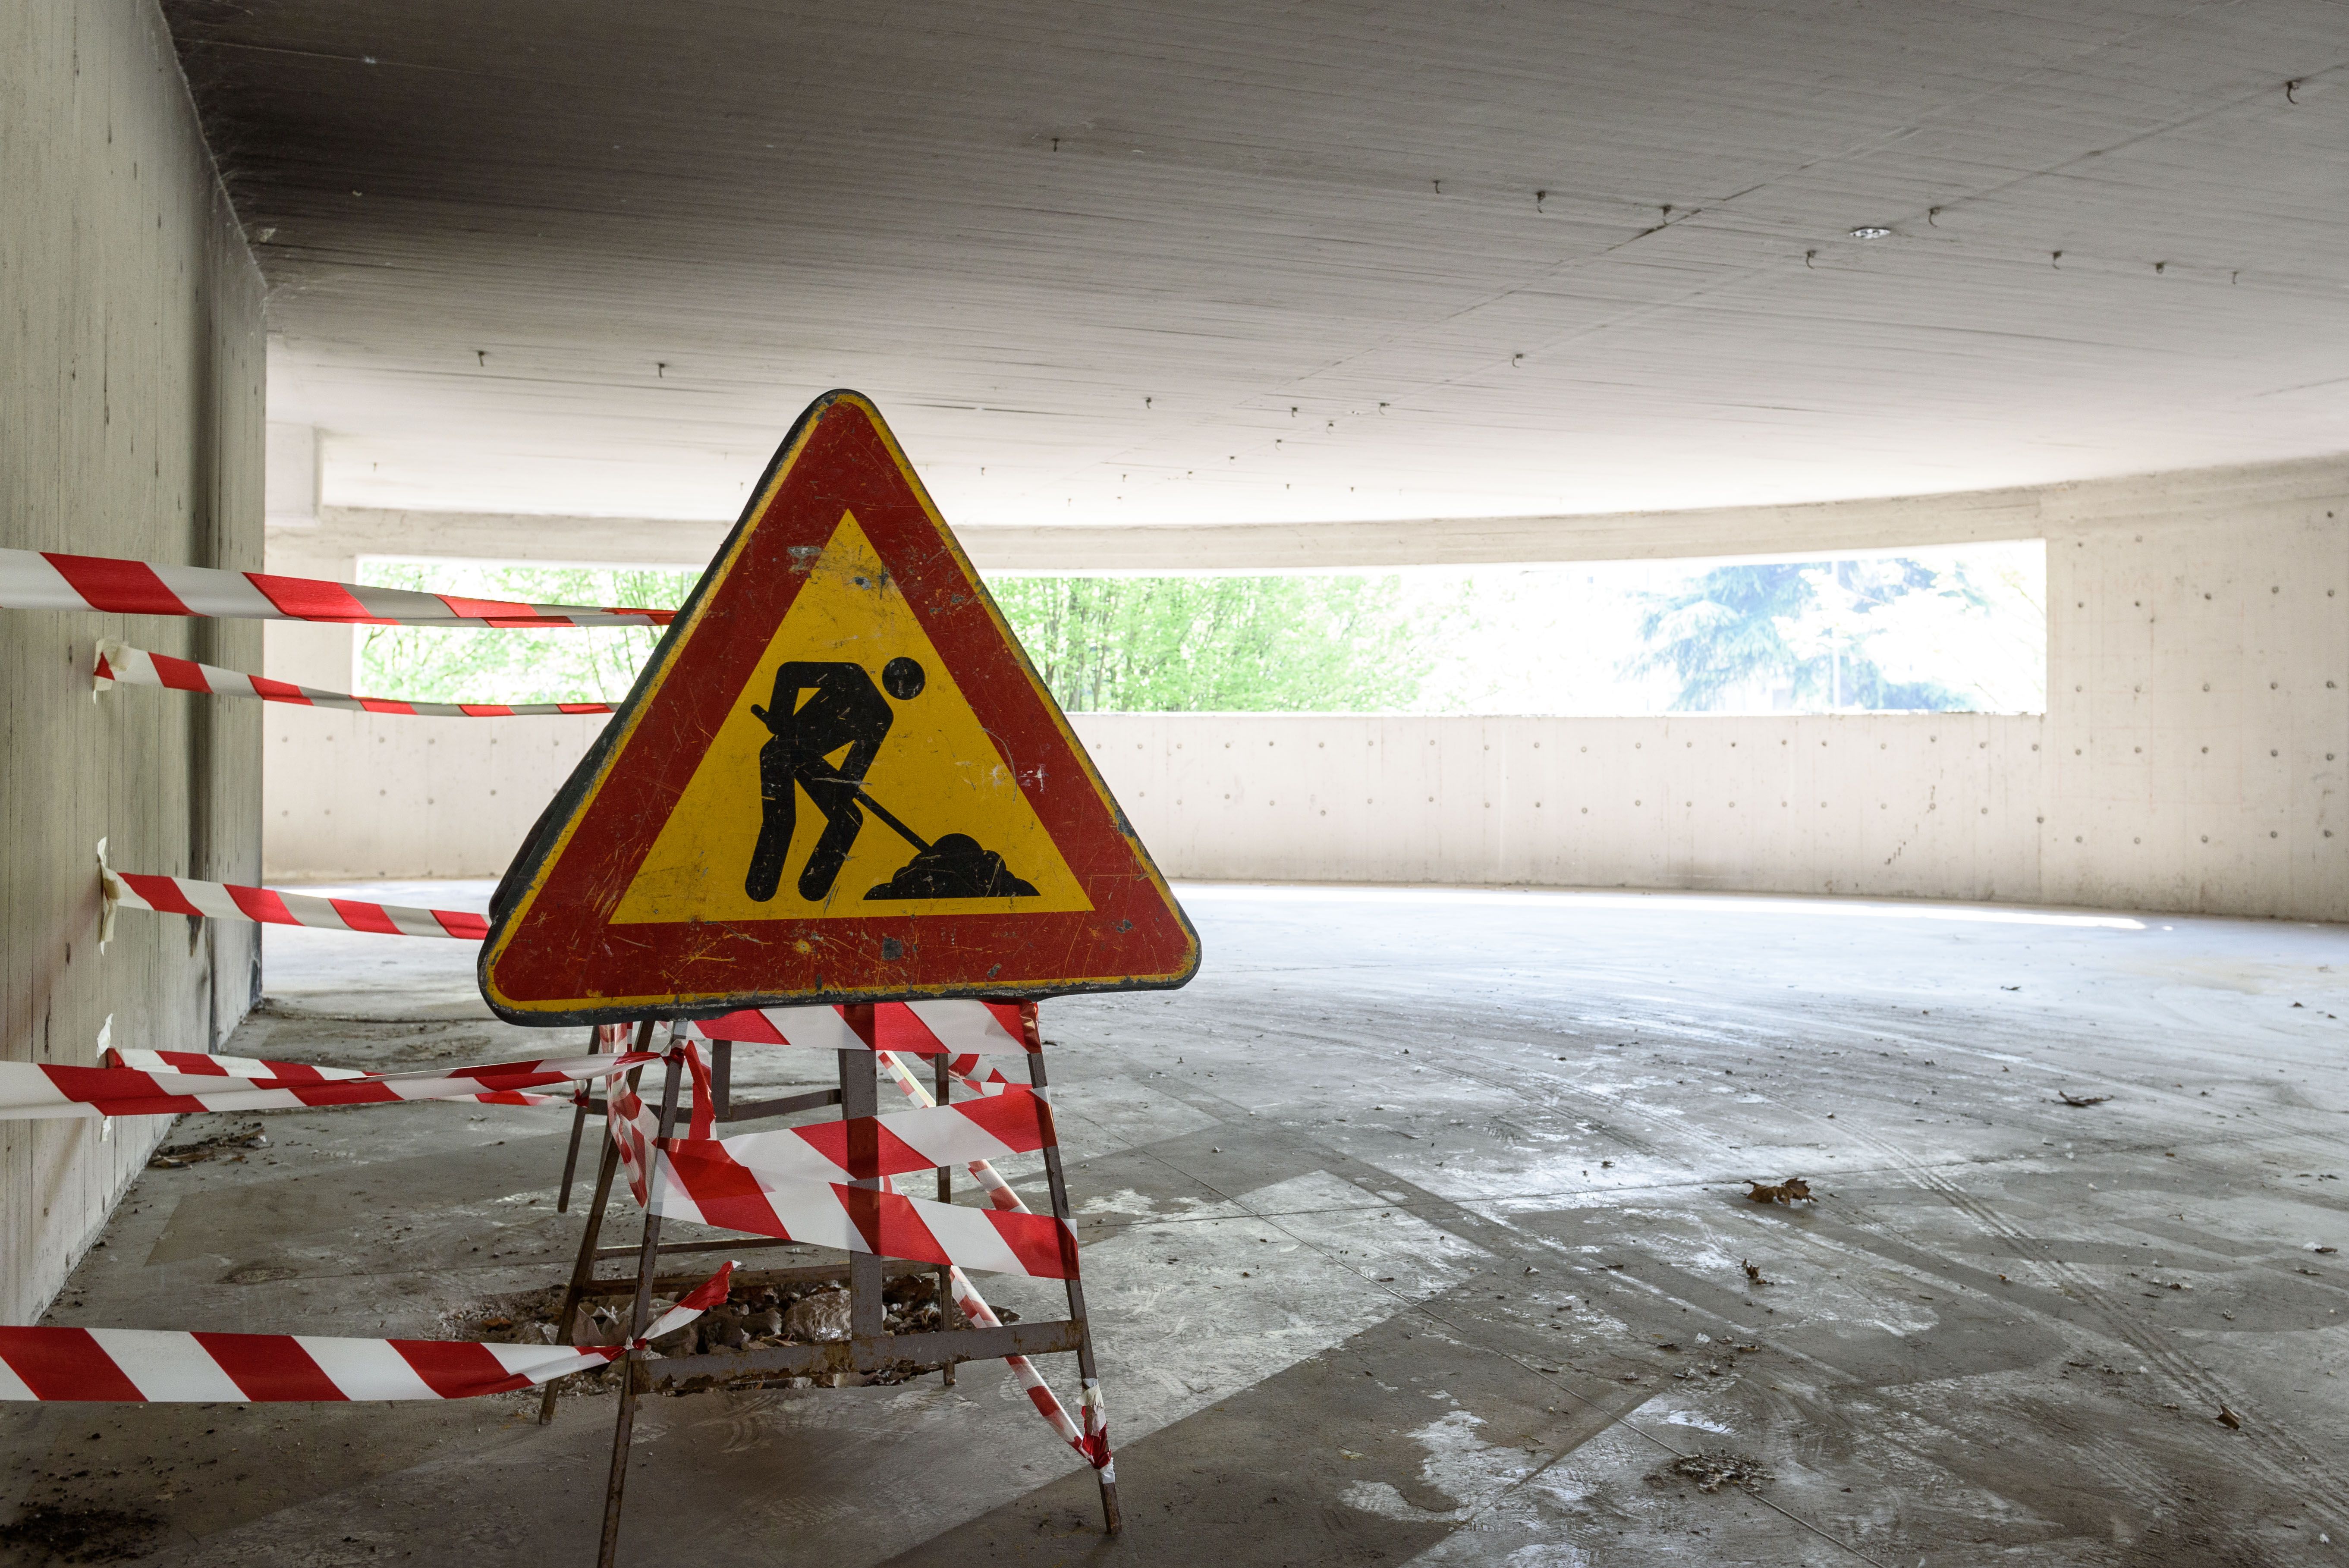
551 957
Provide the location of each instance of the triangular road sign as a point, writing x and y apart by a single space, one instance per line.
838 780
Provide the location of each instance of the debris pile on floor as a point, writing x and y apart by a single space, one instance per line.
1714 1468
232 1143
760 1313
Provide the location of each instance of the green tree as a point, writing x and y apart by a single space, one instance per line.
1802 627
584 664
1292 645
1231 644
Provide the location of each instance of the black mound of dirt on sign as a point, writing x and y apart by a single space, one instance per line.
955 867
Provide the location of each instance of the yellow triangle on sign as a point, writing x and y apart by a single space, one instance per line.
933 768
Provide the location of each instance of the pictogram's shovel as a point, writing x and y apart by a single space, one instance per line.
956 866
875 806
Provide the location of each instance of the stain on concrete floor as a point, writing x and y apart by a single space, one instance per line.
1415 1233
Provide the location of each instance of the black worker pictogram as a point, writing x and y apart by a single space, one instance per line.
845 714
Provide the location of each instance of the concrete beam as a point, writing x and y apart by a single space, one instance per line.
291 491
1823 528
357 531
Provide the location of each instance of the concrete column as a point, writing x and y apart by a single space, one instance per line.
131 383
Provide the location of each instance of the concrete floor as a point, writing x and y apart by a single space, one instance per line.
1413 1232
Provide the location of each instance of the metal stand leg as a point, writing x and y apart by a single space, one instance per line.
1110 1519
946 1313
637 1319
578 1127
859 1096
583 1269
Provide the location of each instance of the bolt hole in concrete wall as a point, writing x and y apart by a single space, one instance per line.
2158 587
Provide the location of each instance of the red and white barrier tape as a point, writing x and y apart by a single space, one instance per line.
47 580
609 1037
692 1183
31 1091
1092 1440
695 1179
999 1191
1095 1445
158 1366
205 1064
954 1028
913 1029
1014 1122
966 1068
821 1028
228 901
859 1147
120 664
633 1127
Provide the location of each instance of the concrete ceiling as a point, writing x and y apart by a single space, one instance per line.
1239 261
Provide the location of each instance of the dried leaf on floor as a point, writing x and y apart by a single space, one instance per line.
2070 1098
2228 1419
1754 1273
1793 1189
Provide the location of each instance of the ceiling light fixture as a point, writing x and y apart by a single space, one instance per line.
1869 231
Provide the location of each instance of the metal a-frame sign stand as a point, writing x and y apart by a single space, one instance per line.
869 1347
585 1285
708 855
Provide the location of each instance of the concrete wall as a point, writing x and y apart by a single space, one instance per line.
2192 756
1861 804
130 424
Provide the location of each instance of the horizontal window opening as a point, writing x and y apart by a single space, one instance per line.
1960 629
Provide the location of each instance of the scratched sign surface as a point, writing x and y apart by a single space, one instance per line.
838 780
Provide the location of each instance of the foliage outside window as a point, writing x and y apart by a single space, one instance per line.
433 663
1228 644
1965 633
1955 630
